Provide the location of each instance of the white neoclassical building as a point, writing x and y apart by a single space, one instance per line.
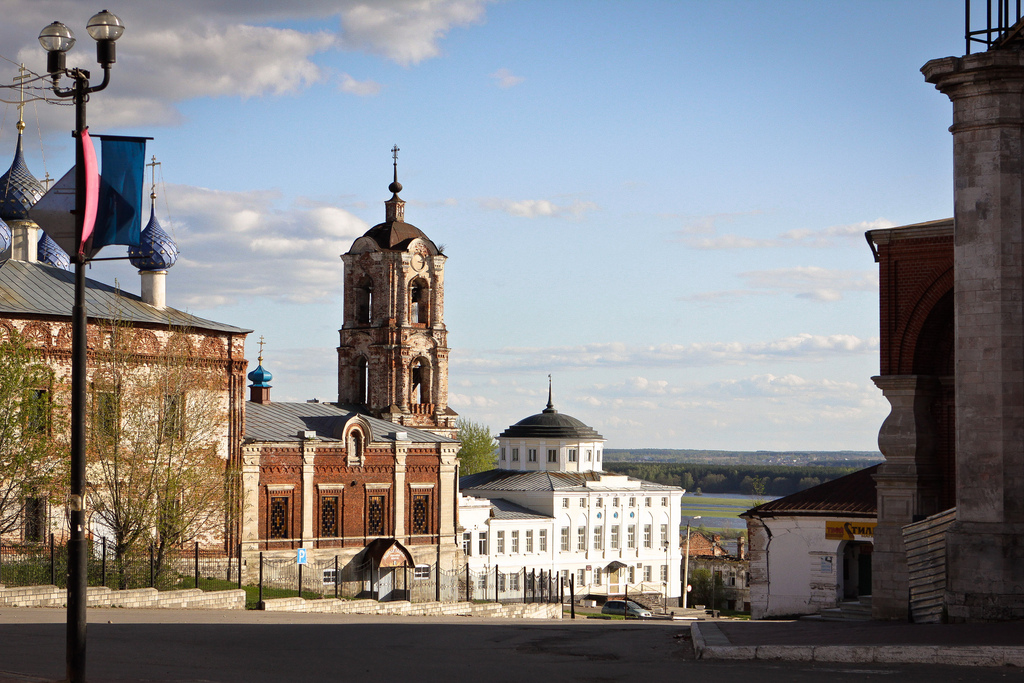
550 507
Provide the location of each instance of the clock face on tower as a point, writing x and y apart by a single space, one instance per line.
419 262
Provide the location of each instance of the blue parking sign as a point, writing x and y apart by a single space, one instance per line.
301 556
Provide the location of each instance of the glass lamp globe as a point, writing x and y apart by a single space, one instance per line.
105 26
56 38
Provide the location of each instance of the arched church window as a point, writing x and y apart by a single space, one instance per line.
355 446
419 301
420 380
364 301
363 379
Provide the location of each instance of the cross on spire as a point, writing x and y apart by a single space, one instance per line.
23 74
153 164
260 357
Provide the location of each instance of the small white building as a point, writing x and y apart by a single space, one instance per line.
812 550
549 507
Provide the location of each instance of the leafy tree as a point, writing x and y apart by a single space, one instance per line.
31 466
478 452
155 474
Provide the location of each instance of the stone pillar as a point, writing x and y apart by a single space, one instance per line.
447 492
985 545
250 498
24 240
154 287
906 484
308 499
401 450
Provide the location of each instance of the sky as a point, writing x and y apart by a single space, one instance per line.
661 204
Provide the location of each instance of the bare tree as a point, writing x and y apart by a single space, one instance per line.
31 466
156 475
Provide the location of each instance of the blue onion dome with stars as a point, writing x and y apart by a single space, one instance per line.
19 189
49 252
156 250
5 236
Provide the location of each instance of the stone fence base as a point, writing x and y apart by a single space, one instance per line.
101 596
420 609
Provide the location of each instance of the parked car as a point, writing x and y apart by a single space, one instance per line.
626 608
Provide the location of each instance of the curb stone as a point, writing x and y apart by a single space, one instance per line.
710 643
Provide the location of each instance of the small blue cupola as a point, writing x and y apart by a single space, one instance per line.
50 252
259 390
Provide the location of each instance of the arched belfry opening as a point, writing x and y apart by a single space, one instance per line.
419 301
394 324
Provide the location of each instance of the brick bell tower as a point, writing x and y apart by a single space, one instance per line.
393 353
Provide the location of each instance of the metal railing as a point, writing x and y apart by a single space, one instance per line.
1002 27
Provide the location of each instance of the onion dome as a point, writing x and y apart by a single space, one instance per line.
5 236
550 424
156 250
260 376
49 252
19 189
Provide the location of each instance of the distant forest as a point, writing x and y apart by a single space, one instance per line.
768 480
856 459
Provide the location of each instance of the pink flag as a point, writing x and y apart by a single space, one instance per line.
92 189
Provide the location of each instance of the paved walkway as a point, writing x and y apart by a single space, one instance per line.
863 642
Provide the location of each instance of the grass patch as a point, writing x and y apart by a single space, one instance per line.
252 593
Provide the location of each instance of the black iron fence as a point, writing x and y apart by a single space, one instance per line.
190 566
993 23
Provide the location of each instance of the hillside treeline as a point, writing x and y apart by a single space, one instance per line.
752 480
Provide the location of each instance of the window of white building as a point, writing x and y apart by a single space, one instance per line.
513 581
598 537
542 540
581 538
515 541
515 455
600 502
615 537
572 455
647 573
664 572
632 574
565 539
664 501
501 543
467 542
482 543
422 571
589 454
565 502
581 578
615 502
664 534
597 576
632 502
529 540
502 452
647 501
631 536
552 455
648 541
531 454
583 502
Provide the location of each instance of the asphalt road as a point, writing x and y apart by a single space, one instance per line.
252 647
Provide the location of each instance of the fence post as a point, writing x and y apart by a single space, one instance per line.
572 596
152 577
261 579
524 585
103 568
53 565
625 612
336 577
197 564
468 589
533 582
239 565
300 580
1 562
496 598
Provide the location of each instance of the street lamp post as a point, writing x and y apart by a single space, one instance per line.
668 569
686 564
57 39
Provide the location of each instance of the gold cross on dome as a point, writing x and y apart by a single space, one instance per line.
394 153
260 358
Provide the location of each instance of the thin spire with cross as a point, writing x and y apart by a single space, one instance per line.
23 74
260 357
551 405
152 193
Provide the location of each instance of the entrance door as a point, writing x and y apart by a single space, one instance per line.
386 584
613 582
864 571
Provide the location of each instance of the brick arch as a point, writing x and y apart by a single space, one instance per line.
180 345
930 297
6 331
37 334
146 342
212 348
63 336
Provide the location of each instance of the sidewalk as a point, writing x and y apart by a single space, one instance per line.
862 642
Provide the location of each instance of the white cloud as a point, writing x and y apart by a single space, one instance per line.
812 282
405 31
536 208
506 79
832 236
236 245
801 347
361 88
229 48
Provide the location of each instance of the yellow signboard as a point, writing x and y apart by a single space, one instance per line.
848 531
394 557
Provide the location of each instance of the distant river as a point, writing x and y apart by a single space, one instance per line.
718 510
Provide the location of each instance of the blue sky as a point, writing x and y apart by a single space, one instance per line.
662 204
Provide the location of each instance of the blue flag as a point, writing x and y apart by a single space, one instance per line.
119 215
